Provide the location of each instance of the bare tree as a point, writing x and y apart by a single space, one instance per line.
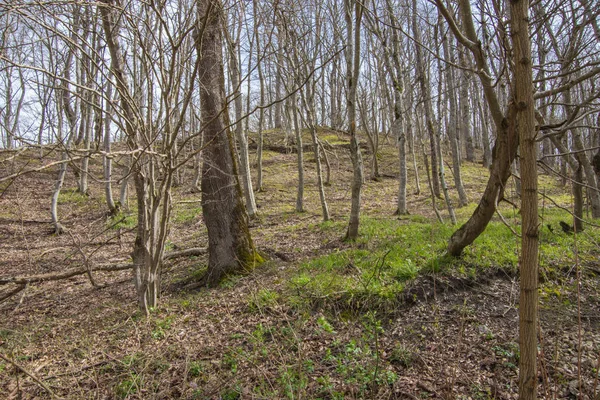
354 12
230 246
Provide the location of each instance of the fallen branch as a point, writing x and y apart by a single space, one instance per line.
26 372
194 251
12 293
55 276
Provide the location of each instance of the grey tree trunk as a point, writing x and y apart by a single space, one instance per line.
293 109
261 111
230 247
423 78
240 135
453 134
465 108
107 159
352 71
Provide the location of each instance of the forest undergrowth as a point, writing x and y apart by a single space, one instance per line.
387 316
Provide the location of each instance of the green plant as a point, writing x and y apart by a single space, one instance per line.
230 360
186 213
195 369
402 356
262 299
293 381
325 325
72 196
161 326
122 220
128 386
231 394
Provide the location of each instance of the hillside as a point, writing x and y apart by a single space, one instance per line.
388 316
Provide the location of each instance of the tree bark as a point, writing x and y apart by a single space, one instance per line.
230 247
423 78
353 69
525 120
240 135
453 133
507 141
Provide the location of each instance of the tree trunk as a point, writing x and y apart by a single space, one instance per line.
423 78
504 152
525 124
507 142
241 136
107 159
230 247
261 111
465 109
353 69
293 108
453 134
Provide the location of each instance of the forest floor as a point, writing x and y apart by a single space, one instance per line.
386 317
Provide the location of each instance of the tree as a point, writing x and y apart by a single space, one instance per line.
505 149
354 8
424 85
241 136
230 246
525 125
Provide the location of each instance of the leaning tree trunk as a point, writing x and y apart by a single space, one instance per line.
507 142
504 153
230 247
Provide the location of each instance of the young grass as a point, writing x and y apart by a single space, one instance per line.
389 252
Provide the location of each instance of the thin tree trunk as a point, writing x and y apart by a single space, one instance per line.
525 116
353 69
453 134
465 108
240 135
107 159
423 78
293 108
261 111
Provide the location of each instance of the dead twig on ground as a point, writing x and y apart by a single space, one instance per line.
55 276
29 374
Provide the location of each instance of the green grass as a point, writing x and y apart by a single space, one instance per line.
186 213
372 272
123 220
71 196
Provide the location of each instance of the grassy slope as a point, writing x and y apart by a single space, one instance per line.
386 316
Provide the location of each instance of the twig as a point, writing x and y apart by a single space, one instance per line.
12 293
26 372
55 276
504 221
